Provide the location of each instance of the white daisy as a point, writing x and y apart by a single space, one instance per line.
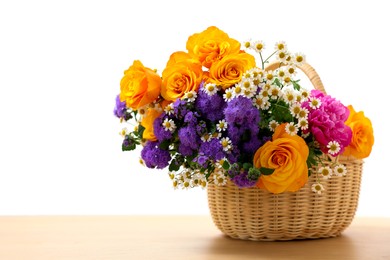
124 132
228 95
169 109
275 92
299 58
259 101
317 188
289 96
169 125
304 113
303 124
219 179
258 46
280 46
305 94
210 89
190 96
314 103
222 125
334 147
326 172
269 76
291 128
340 170
206 138
295 108
238 90
272 125
226 144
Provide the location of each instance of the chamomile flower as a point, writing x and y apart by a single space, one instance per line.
141 161
291 70
317 188
219 179
226 144
258 46
305 94
238 90
340 170
216 135
291 128
299 58
264 93
303 124
326 172
295 108
247 44
124 132
142 111
247 83
210 89
314 103
334 147
249 93
257 73
280 46
228 95
169 109
190 96
169 125
206 138
289 96
282 55
222 125
299 97
304 113
287 79
269 76
275 92
259 101
272 125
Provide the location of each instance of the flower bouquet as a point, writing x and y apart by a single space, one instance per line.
280 161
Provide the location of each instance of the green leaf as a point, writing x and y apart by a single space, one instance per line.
164 145
226 165
266 171
174 166
247 166
296 85
141 130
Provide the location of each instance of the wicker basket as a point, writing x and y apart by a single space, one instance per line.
256 214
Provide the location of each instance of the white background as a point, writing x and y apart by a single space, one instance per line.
60 67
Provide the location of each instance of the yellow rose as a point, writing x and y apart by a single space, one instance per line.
229 70
362 134
211 45
287 155
139 86
181 75
147 122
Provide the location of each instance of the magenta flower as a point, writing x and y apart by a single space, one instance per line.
327 123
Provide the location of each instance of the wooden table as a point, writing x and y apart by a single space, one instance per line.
173 237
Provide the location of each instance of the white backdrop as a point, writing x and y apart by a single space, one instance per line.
60 67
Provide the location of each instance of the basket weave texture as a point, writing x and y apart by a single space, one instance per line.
256 214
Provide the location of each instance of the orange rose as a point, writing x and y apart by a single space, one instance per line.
147 122
287 155
181 75
139 86
229 70
211 45
362 135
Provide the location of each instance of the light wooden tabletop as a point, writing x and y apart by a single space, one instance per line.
173 237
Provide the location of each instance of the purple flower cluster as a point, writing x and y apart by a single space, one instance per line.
159 131
120 107
240 177
327 123
154 157
210 107
243 124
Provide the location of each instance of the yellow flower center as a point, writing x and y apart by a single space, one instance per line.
299 58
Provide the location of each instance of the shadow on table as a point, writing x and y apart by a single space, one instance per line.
341 247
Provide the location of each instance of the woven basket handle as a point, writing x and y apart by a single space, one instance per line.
307 69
